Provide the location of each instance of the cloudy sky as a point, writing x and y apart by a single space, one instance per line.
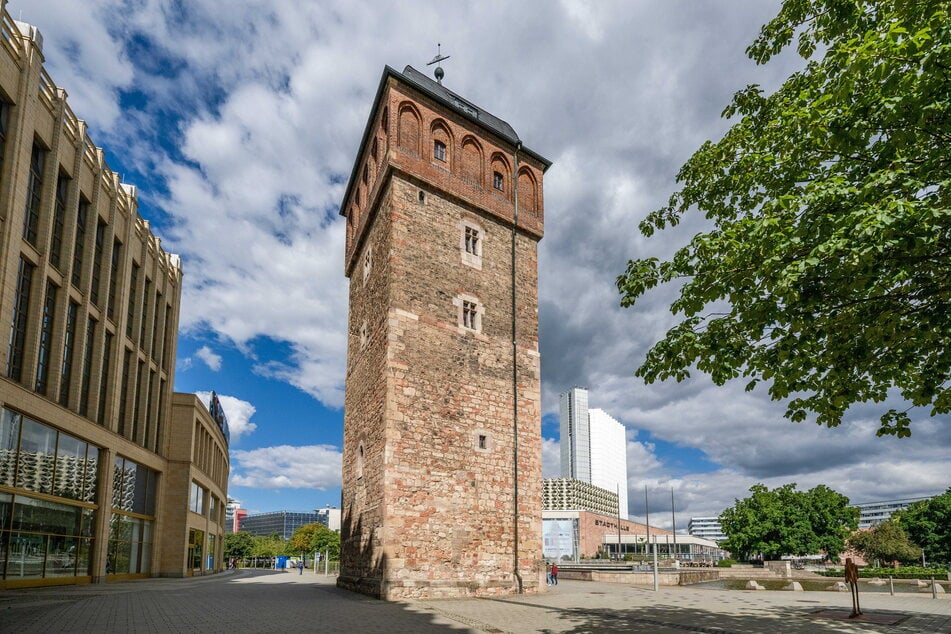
239 123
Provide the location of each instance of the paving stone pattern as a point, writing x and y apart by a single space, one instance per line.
272 601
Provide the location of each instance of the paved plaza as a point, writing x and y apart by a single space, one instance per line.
271 601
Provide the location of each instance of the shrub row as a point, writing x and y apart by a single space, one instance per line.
904 572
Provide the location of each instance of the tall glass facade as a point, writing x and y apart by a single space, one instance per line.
133 518
49 536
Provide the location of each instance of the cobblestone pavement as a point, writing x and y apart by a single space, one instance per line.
270 601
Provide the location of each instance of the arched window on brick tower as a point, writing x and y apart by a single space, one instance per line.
442 144
527 191
408 132
472 168
501 175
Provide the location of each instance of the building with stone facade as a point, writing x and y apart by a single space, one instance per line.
98 459
442 426
565 494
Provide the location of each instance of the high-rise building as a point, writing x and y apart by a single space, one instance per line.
609 455
442 423
103 470
706 527
593 445
575 435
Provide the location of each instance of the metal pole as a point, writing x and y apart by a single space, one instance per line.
934 590
891 586
618 487
673 520
656 579
518 575
647 514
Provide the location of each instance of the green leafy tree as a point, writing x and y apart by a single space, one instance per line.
784 521
268 546
928 523
827 270
303 538
240 545
885 542
831 518
326 541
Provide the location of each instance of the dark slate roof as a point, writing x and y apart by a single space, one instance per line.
451 100
463 107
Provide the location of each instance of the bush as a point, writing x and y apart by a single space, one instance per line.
726 563
904 572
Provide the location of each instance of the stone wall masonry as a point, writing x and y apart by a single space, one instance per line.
429 439
362 560
449 525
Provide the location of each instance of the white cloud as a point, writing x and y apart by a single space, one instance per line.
551 458
212 360
267 103
287 467
239 414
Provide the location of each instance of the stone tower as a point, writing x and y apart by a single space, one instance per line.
441 472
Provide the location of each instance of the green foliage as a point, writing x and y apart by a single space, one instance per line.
928 523
726 563
315 537
303 538
784 521
885 542
829 257
902 572
326 540
270 546
240 545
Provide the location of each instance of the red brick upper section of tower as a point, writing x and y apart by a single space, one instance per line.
424 132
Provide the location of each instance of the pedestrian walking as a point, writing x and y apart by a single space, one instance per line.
548 573
300 567
554 574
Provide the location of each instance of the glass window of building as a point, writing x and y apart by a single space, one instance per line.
69 345
133 518
79 244
34 190
85 383
48 537
114 278
130 316
98 250
196 502
196 548
46 339
21 308
59 219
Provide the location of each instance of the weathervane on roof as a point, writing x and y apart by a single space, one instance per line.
439 72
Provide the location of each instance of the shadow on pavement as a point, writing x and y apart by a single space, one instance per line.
687 619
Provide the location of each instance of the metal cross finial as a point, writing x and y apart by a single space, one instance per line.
439 72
